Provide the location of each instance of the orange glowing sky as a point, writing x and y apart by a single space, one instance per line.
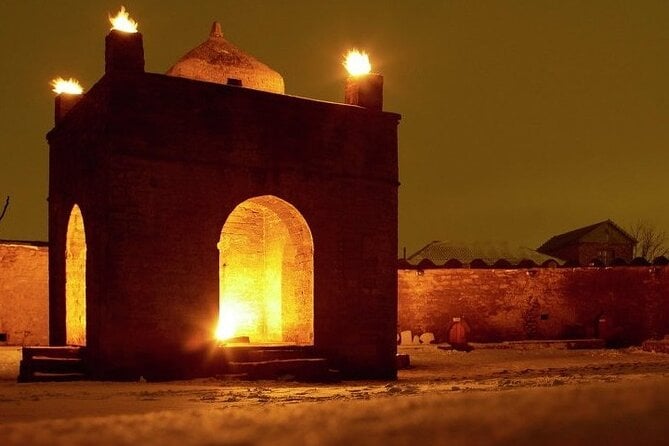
521 119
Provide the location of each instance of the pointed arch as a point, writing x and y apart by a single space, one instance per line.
75 279
266 271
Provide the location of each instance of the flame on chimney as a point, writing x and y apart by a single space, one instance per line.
357 63
363 88
123 22
68 92
69 86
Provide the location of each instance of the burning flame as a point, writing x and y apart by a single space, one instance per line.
123 22
357 63
227 326
231 318
69 86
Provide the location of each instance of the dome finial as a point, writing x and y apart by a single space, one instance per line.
218 61
216 30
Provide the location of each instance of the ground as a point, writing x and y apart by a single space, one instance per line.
485 397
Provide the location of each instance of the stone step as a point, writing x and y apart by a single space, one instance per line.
40 364
255 353
299 369
51 352
270 355
52 365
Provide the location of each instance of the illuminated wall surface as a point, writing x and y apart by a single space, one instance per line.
24 293
541 303
266 273
75 279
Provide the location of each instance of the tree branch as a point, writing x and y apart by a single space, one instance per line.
651 241
4 209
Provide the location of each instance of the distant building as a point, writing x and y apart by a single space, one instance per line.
598 244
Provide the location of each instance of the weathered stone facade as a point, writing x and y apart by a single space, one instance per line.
24 302
157 164
624 305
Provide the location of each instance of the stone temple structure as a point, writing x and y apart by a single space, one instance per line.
205 201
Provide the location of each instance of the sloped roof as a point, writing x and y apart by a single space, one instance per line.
439 252
217 60
571 237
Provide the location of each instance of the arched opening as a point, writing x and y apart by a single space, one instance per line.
75 279
266 274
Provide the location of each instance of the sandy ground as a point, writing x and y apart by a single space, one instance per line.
514 397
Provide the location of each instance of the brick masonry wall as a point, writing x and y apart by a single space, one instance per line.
497 304
23 294
546 303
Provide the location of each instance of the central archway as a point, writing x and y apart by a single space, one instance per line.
266 271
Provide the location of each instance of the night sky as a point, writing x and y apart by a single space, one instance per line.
521 119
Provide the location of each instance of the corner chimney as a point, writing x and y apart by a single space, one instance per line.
63 104
365 90
124 52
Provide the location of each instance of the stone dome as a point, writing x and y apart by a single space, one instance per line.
217 60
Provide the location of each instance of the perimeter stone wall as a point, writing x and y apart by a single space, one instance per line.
624 305
24 290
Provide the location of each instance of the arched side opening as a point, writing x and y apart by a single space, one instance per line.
75 279
266 271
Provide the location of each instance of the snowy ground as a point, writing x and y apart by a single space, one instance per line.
508 397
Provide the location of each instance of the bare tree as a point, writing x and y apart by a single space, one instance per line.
651 241
4 208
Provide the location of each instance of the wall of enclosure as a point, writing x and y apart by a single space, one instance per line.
624 305
24 304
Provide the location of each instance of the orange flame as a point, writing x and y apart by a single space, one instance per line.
233 316
123 22
69 86
357 63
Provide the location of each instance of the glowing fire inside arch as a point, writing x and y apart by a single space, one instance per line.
266 273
